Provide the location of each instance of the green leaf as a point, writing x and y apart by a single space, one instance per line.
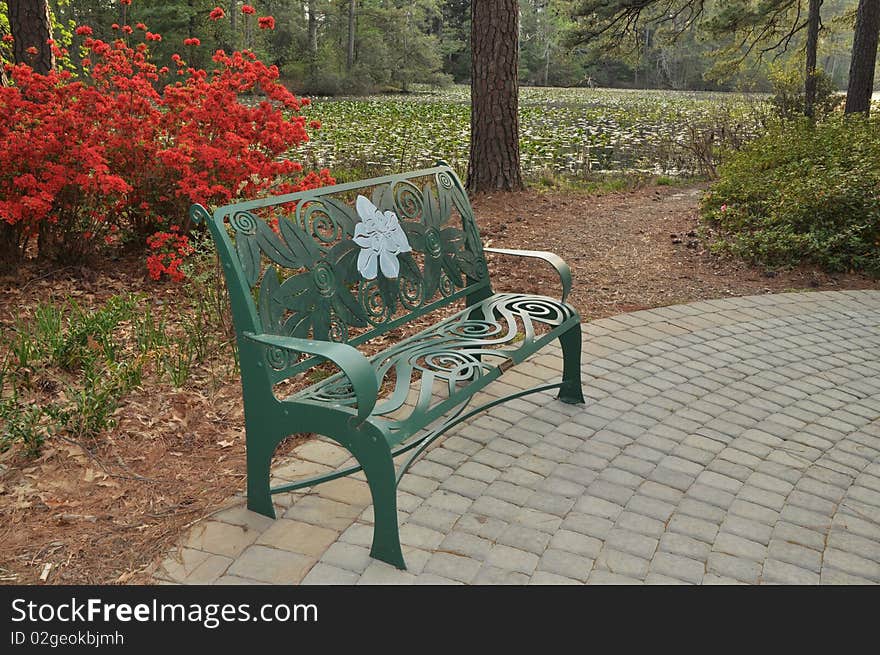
298 325
415 234
343 258
270 311
249 255
275 249
321 321
297 293
342 214
432 277
347 308
302 244
383 198
409 267
430 210
388 287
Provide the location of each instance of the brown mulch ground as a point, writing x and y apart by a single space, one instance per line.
102 512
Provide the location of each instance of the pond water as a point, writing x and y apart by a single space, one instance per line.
573 132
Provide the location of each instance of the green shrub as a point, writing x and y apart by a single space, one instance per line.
789 96
802 194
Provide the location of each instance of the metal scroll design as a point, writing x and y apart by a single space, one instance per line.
458 350
300 259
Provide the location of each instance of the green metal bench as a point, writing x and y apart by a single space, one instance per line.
313 274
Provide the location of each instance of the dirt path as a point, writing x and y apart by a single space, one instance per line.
628 251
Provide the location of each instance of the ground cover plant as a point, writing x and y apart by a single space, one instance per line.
577 132
803 193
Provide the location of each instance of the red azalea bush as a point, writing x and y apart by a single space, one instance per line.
123 151
167 252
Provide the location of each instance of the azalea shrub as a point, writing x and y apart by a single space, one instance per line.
118 153
803 193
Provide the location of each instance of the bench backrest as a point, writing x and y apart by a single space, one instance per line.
332 264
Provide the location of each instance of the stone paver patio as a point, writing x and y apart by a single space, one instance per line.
726 441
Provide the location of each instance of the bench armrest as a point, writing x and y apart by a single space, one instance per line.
555 260
350 361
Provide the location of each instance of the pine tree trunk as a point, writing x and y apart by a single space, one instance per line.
864 58
30 26
494 155
349 55
311 9
352 10
233 17
810 79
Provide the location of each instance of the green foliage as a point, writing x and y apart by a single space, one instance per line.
788 99
803 193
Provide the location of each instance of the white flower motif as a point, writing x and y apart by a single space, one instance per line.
381 239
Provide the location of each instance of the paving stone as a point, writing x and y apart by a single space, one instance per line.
327 574
434 518
512 559
679 544
271 565
789 574
298 537
524 538
748 529
467 487
323 512
455 567
380 573
693 527
221 538
492 575
733 567
851 563
678 567
191 566
481 526
565 563
545 578
603 577
795 554
732 544
621 563
347 556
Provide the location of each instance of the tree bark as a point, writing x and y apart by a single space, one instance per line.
233 17
494 162
352 12
864 58
31 28
810 80
311 7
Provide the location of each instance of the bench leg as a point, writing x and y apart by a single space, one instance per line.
259 459
571 390
379 469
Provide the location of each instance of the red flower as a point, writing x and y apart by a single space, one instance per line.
266 22
193 41
127 29
316 125
217 13
115 26
84 30
8 38
125 2
247 9
50 41
32 51
141 26
153 37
